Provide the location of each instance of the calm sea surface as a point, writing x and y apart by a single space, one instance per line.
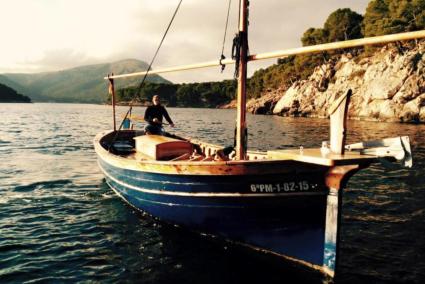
59 221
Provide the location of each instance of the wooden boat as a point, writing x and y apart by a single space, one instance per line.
287 202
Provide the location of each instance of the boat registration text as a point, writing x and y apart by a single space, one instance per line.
283 187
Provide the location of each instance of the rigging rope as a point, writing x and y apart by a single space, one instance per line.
224 37
144 77
157 50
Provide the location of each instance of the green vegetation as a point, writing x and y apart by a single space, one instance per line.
9 95
83 84
210 94
343 24
393 16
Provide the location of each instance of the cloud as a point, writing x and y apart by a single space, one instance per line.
57 59
51 35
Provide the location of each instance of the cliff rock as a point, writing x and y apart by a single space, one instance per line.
387 86
266 103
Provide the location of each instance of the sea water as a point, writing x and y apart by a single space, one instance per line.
59 221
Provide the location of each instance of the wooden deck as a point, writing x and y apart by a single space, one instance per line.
315 156
312 156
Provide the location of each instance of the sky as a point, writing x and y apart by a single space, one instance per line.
51 35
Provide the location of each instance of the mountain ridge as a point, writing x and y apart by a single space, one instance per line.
81 84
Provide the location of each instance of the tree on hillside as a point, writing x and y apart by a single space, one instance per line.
187 96
394 16
376 19
407 15
305 64
256 83
343 24
314 36
418 14
167 93
124 94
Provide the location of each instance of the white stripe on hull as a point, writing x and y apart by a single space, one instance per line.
207 194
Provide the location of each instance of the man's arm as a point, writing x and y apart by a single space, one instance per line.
167 117
147 117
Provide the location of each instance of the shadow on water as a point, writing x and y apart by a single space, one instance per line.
151 251
216 261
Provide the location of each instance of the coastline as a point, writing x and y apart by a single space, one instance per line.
16 102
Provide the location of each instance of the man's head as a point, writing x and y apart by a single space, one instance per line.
155 100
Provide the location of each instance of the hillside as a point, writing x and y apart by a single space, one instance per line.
387 82
9 95
388 86
14 85
83 84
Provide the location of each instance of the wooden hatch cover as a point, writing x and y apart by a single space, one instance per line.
160 147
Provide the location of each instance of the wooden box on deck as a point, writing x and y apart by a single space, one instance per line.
161 147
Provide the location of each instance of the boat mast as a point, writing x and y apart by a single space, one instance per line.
112 93
241 133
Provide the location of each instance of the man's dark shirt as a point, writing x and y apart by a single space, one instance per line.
156 111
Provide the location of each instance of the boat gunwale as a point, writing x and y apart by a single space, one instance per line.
209 168
104 152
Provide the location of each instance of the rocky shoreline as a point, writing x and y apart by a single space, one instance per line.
387 86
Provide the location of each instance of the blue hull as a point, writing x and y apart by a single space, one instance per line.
288 221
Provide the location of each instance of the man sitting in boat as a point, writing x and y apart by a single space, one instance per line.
154 115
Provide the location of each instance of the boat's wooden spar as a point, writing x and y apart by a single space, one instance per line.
289 52
340 45
176 68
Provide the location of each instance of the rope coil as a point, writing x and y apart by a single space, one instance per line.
236 47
